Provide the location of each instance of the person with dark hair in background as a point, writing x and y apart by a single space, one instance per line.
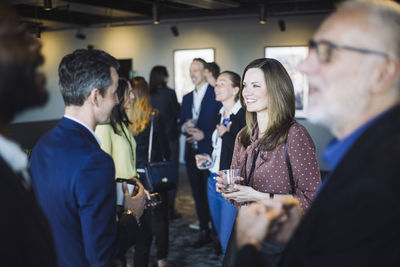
26 238
211 71
197 121
164 100
74 178
116 138
142 114
230 120
353 69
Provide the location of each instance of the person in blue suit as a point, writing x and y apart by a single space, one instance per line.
74 178
197 121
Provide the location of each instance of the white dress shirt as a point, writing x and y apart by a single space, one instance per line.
16 158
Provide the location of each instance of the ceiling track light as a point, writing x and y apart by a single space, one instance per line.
80 35
282 25
38 31
47 5
175 31
156 18
262 14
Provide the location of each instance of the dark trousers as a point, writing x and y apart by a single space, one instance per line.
198 183
174 149
153 221
143 243
161 226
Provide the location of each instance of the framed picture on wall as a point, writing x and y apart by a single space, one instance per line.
182 60
290 57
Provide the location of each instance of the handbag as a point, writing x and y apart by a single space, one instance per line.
159 176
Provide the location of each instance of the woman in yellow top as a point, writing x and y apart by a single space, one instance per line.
116 138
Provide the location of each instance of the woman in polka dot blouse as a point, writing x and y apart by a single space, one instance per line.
268 95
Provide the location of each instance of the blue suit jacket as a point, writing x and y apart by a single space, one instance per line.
74 182
206 121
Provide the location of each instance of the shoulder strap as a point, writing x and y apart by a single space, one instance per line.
289 166
253 166
150 137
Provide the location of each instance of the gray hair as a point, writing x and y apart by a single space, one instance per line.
82 71
385 15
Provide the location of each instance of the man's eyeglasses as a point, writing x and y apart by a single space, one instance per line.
324 50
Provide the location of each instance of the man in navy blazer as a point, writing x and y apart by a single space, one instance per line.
197 121
353 69
73 178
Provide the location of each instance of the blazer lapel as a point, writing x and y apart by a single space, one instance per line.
205 99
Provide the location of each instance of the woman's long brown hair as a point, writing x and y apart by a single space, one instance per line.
281 104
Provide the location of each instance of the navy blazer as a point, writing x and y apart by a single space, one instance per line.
238 121
206 121
74 182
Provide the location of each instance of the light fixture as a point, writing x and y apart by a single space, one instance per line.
175 31
282 25
47 5
262 14
80 35
156 18
38 31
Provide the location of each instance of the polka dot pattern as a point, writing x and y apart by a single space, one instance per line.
271 174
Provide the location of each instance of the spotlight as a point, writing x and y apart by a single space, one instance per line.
80 35
175 31
262 14
282 25
38 31
156 18
47 5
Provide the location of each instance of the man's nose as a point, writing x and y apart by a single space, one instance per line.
308 64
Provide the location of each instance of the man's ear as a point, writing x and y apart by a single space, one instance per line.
94 96
388 75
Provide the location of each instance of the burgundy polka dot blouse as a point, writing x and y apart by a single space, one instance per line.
271 173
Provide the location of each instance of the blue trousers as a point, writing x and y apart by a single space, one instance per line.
222 212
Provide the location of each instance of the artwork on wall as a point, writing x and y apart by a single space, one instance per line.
182 60
290 57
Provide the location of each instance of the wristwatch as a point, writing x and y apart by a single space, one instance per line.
130 212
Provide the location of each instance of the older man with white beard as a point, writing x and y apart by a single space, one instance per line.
354 71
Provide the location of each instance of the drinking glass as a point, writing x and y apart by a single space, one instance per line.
230 177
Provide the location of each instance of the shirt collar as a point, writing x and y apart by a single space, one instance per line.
84 125
13 155
235 109
202 89
336 149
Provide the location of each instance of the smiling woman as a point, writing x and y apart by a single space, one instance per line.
272 139
275 154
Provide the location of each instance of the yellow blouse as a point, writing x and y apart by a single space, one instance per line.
120 147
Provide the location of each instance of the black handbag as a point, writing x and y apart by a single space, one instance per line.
159 176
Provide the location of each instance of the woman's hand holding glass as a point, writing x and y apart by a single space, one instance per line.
239 193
